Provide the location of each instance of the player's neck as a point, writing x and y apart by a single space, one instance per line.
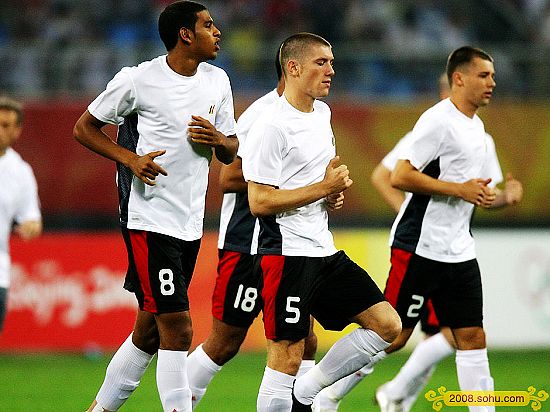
298 100
464 106
181 63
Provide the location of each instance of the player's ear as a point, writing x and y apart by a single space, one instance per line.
186 35
457 78
293 68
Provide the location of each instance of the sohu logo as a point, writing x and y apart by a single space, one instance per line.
211 110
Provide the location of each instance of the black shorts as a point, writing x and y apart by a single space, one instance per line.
160 269
454 289
236 299
333 289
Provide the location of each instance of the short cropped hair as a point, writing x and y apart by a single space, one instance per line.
12 105
296 46
175 16
463 56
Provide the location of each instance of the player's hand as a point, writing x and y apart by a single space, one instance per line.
29 229
477 192
335 201
337 177
202 131
146 169
513 190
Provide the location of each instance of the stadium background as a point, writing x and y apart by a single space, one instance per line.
57 55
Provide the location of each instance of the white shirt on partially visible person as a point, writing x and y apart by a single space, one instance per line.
18 203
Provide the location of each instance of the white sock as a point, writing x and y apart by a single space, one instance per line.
341 388
472 368
426 355
275 394
347 355
122 376
172 382
305 366
421 382
200 371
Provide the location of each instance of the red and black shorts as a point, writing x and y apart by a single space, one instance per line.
160 269
236 299
453 288
333 289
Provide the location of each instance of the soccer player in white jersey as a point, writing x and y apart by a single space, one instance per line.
19 195
236 299
447 169
403 390
290 165
174 112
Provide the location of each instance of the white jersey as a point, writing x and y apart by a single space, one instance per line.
289 149
238 227
446 145
152 104
390 160
18 203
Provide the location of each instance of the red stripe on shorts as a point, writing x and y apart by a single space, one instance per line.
272 272
140 251
399 264
226 267
432 317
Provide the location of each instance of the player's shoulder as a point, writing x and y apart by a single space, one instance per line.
259 105
212 71
16 160
321 106
437 115
145 66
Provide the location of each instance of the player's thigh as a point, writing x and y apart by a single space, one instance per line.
345 291
236 300
459 301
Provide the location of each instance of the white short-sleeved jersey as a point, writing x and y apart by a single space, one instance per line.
18 203
238 227
152 104
289 149
447 145
390 160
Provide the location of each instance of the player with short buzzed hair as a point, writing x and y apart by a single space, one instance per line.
290 164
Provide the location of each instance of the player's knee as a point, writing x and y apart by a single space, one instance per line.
224 354
390 326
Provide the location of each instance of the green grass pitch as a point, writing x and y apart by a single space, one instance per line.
68 382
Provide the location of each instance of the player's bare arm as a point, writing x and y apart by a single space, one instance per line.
202 131
380 179
510 195
266 200
88 132
231 178
476 191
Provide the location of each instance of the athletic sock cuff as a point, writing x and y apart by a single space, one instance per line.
205 360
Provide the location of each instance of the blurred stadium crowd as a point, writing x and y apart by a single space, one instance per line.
385 49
